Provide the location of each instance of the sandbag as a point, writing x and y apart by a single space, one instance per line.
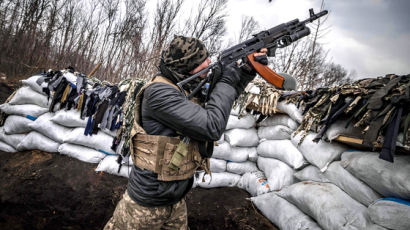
110 165
45 126
255 183
350 184
388 179
392 213
16 125
282 150
25 95
291 110
282 213
81 153
277 132
222 151
236 154
279 119
35 140
13 139
241 167
31 82
328 205
245 122
310 173
69 118
279 174
223 179
100 142
6 147
242 137
319 154
23 110
217 165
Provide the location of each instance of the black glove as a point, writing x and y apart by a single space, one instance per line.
237 77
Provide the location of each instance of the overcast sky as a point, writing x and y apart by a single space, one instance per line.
371 37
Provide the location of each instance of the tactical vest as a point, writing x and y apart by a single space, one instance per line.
154 153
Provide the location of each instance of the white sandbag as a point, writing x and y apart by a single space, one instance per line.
242 137
392 213
223 179
35 140
245 122
69 118
16 125
23 110
45 126
4 147
282 213
13 139
279 174
255 183
222 151
279 119
282 150
217 165
252 154
291 110
236 154
101 141
81 153
110 165
25 95
328 205
350 184
310 173
31 82
241 167
319 154
388 179
277 132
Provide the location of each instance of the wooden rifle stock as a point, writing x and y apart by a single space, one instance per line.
267 73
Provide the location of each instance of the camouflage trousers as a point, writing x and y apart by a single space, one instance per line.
130 215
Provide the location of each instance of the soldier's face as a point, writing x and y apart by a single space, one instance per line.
201 67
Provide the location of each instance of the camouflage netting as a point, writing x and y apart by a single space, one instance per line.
376 106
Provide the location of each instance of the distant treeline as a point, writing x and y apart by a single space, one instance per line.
127 38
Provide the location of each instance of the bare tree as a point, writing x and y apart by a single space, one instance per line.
249 26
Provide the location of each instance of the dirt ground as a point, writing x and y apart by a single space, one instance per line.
50 191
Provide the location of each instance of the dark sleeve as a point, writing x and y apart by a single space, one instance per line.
171 108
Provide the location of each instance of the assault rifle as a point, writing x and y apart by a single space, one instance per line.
277 37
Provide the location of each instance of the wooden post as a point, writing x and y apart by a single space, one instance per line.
95 69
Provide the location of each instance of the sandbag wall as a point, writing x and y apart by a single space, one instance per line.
309 185
30 125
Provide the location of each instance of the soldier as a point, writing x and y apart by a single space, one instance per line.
170 136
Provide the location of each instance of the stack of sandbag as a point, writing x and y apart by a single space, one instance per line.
234 155
278 158
30 125
23 108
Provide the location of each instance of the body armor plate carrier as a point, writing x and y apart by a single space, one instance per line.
170 157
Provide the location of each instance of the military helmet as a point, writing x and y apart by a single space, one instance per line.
289 83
